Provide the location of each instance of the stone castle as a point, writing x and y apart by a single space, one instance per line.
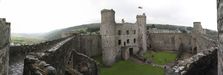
120 40
71 55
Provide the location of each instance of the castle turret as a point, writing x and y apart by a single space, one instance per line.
107 22
198 28
107 31
141 22
196 34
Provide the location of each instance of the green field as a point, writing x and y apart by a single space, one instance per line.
128 68
131 68
24 40
162 57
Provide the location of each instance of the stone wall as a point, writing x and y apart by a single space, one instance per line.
18 53
60 54
220 35
204 42
203 63
34 66
173 41
66 57
88 44
4 46
168 41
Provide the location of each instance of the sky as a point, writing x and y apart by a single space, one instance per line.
40 16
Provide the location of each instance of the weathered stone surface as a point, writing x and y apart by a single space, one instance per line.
169 41
18 54
142 40
220 34
67 60
89 44
203 63
4 46
193 42
34 66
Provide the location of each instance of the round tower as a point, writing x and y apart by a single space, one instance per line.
107 31
107 22
197 27
141 22
196 34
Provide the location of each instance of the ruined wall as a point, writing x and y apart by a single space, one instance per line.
66 56
204 42
168 41
89 44
34 66
86 44
203 63
18 53
220 35
4 46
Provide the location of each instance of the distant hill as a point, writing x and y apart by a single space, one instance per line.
21 38
95 27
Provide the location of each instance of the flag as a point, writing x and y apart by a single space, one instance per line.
140 7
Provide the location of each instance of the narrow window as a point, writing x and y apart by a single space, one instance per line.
127 32
134 40
134 31
119 32
127 40
119 42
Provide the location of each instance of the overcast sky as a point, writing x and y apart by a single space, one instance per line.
38 16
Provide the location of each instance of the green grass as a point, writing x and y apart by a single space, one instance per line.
162 57
129 68
24 40
98 59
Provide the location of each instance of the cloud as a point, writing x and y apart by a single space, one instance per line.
33 16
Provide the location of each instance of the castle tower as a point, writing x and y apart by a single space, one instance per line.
4 46
196 33
198 28
141 22
107 31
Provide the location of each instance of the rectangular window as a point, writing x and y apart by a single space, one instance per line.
119 32
127 40
134 40
134 31
119 42
127 32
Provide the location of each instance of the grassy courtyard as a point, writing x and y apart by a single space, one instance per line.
131 68
162 57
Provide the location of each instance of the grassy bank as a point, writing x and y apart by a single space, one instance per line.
128 68
162 57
